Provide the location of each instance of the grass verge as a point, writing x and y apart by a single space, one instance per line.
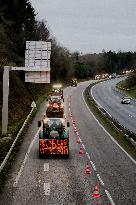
130 92
109 126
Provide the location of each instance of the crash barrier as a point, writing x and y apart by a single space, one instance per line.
3 164
129 135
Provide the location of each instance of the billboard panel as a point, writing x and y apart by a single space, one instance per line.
37 54
37 77
35 51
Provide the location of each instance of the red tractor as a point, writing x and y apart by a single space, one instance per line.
55 109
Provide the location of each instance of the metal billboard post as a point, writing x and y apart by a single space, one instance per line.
5 99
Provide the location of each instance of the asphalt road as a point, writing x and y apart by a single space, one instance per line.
64 181
109 98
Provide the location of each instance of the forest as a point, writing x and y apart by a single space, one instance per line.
18 24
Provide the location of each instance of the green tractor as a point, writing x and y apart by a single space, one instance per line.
53 138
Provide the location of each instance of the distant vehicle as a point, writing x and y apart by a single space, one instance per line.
97 77
74 82
125 100
113 75
101 76
104 76
53 138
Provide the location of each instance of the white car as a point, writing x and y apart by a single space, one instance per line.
125 100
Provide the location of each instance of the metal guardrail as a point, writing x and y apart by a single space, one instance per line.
13 144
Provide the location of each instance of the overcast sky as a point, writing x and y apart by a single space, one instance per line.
90 25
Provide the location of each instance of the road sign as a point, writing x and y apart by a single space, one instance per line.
33 104
37 54
37 58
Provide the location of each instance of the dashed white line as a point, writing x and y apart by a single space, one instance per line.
47 189
93 165
100 179
80 140
46 167
88 156
109 197
83 145
25 159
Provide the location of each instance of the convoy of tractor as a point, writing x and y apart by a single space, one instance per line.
54 132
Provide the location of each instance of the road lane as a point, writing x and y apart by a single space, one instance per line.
117 171
109 98
66 181
62 181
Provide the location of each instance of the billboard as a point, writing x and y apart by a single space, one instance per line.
37 54
37 77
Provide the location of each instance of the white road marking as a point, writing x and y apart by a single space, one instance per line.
87 155
47 189
93 165
100 179
109 197
77 134
25 159
80 140
82 144
107 132
46 167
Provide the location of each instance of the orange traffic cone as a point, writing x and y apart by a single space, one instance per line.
81 150
74 122
74 125
88 169
75 129
96 192
78 141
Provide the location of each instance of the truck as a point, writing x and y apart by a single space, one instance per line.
53 138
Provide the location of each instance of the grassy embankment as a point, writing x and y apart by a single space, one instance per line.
123 86
109 126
